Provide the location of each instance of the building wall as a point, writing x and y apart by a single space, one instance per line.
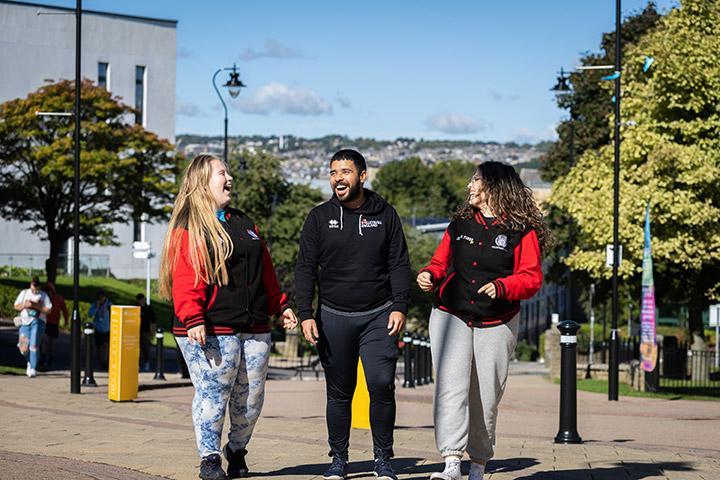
37 48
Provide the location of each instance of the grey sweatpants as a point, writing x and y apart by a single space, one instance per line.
471 367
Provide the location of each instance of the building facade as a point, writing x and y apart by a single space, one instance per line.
132 57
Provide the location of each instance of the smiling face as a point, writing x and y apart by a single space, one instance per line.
477 198
346 181
220 184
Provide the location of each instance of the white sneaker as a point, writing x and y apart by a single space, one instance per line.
476 471
31 372
451 472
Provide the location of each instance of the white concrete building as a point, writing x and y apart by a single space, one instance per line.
133 57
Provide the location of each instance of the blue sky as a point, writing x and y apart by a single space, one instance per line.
476 70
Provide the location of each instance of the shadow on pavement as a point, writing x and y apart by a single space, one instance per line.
626 470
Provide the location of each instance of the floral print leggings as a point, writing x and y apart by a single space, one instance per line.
229 370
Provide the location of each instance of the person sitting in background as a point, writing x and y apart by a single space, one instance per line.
100 313
147 328
33 305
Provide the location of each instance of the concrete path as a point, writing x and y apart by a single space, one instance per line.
48 433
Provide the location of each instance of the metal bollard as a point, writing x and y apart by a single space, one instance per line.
89 331
159 357
429 362
407 354
417 361
568 383
426 370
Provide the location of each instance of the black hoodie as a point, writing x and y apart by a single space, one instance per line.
361 254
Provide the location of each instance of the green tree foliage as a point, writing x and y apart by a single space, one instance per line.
278 208
415 188
670 158
125 171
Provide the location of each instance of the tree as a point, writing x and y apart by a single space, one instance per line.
670 158
414 188
125 171
278 208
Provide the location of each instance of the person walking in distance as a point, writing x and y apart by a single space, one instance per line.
33 305
353 248
218 272
147 330
100 313
487 261
52 327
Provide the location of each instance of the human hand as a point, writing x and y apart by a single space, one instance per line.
289 319
396 322
489 290
197 334
310 331
424 281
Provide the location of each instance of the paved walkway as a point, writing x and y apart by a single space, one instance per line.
48 433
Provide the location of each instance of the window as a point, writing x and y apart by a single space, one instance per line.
137 230
104 75
140 95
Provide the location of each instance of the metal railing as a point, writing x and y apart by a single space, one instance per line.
29 264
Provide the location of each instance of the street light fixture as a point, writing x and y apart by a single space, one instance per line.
233 84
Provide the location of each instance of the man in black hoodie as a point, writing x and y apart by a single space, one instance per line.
356 241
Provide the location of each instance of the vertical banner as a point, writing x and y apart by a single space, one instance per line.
124 353
648 341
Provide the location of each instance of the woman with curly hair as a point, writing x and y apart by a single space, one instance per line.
216 269
487 261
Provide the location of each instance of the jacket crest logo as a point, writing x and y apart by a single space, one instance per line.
333 224
500 242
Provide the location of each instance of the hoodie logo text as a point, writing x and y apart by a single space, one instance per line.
333 224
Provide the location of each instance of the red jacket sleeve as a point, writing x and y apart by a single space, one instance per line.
189 296
440 260
277 301
527 276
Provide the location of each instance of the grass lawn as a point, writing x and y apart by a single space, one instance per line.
11 370
601 386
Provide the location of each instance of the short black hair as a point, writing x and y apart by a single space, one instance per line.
139 296
352 155
100 293
35 281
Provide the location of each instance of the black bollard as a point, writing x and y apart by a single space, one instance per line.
568 383
417 360
426 357
429 362
89 379
407 355
159 356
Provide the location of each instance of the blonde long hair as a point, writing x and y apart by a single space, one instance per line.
209 245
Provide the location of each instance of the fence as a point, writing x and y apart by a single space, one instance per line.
683 370
629 350
29 264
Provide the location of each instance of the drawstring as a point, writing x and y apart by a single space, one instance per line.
341 218
360 224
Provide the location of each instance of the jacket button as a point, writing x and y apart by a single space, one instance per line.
472 302
472 281
474 264
469 324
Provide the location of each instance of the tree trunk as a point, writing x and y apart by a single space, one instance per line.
51 264
695 311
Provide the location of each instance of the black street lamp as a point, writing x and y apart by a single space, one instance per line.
233 84
563 89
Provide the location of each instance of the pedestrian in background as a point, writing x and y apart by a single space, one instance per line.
53 323
487 261
147 330
218 272
33 305
100 313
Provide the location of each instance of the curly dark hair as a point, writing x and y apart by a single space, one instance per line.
510 200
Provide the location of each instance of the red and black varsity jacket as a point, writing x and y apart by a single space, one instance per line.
474 252
245 303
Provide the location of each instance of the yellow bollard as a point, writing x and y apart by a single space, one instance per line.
361 401
124 353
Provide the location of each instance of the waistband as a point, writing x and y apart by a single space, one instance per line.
334 311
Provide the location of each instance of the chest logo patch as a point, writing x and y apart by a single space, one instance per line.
253 235
470 240
333 224
365 223
500 242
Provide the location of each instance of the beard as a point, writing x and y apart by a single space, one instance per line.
352 193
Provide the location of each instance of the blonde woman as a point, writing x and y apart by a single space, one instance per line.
218 273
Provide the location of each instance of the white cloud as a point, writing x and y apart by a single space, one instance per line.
276 97
187 109
455 123
271 49
528 135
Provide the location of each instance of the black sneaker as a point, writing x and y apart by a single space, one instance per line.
237 467
211 468
337 470
383 470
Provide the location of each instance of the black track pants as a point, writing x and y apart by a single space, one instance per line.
344 337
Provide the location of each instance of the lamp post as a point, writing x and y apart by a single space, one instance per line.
233 84
563 89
